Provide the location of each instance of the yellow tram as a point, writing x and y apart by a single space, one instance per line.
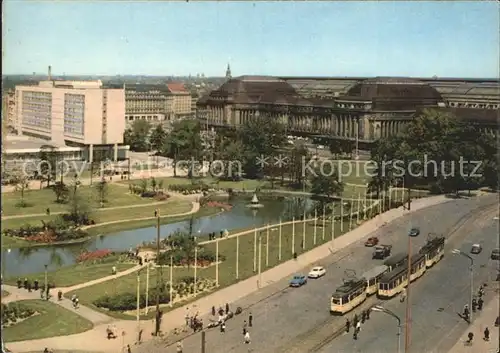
372 278
433 251
396 260
395 281
348 296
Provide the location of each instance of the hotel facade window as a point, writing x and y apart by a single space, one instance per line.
74 114
37 110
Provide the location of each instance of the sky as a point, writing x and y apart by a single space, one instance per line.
420 39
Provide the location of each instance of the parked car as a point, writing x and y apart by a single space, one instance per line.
476 249
414 232
371 241
382 251
495 254
298 281
317 272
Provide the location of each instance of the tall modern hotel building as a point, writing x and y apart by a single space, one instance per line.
81 114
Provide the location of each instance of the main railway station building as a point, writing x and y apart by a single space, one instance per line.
365 109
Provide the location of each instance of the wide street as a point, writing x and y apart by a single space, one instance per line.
283 322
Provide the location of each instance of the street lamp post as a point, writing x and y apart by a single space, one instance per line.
471 268
388 312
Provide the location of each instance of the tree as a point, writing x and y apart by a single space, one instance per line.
48 163
102 190
261 137
78 207
137 136
231 159
182 243
143 185
154 184
21 184
184 143
61 191
299 155
158 137
440 146
325 184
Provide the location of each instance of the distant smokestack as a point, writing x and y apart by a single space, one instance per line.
50 73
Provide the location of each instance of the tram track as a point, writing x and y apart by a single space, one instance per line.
333 327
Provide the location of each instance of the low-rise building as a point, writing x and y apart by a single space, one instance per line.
362 110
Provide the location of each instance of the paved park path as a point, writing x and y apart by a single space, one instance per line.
97 336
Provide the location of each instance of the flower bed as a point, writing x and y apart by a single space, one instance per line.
57 230
93 255
217 204
15 312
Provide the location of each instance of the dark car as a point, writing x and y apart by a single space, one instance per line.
476 249
381 252
414 232
495 254
371 241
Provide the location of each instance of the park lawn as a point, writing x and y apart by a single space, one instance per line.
39 200
227 269
68 276
10 242
248 184
101 215
53 320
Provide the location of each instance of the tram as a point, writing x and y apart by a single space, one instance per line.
348 296
372 278
433 251
395 281
396 261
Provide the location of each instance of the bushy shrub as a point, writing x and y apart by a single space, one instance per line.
11 313
128 301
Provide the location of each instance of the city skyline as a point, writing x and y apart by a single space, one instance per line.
420 39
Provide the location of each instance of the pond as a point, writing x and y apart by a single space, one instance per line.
17 262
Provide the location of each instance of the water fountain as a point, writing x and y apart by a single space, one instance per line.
255 202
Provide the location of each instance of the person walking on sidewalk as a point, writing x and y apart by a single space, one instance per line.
486 334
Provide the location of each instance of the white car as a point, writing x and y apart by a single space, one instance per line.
317 272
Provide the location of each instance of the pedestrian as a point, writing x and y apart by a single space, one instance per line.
179 347
403 295
250 320
368 314
35 284
358 326
347 325
223 327
355 320
29 286
471 337
19 283
128 349
480 303
244 331
227 308
48 211
213 311
25 283
247 337
486 334
113 270
363 317
221 311
474 305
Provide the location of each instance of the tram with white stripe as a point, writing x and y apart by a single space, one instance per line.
372 278
348 296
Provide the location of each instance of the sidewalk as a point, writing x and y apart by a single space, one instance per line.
175 318
486 319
